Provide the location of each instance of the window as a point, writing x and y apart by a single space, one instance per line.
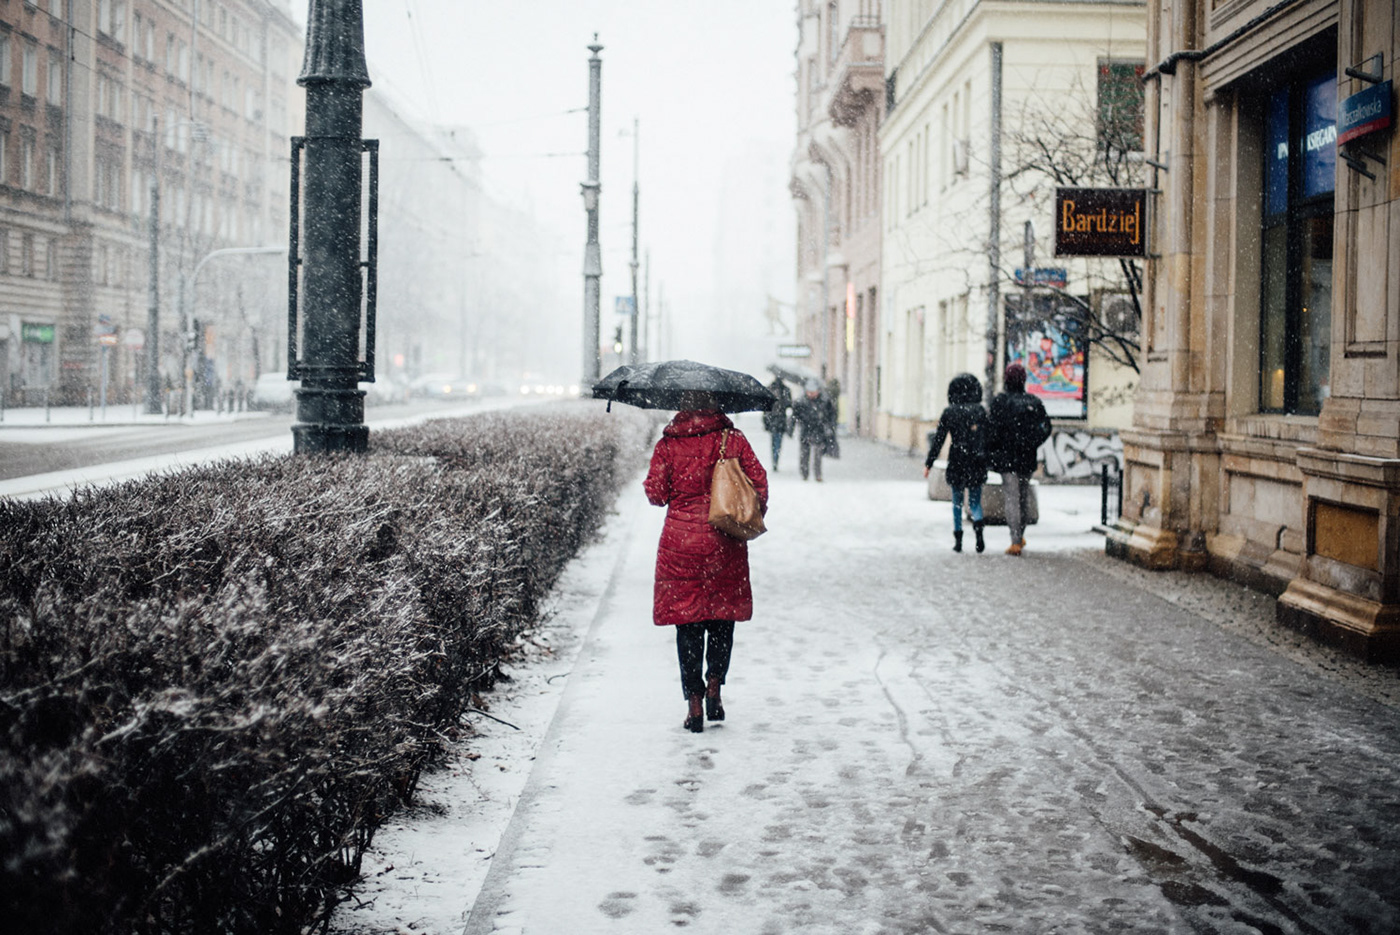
1120 106
1295 315
138 33
55 7
55 84
26 255
4 251
26 165
51 173
170 53
5 60
833 28
184 63
4 157
29 79
51 261
111 18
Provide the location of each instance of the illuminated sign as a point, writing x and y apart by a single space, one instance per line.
1100 222
36 334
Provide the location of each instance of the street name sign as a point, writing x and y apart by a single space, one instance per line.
1364 113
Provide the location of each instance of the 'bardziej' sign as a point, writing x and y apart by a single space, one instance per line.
1100 222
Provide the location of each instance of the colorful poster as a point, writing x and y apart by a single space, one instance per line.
1055 361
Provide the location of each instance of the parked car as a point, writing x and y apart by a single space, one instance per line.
273 392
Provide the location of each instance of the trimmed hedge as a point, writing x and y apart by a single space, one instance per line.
215 684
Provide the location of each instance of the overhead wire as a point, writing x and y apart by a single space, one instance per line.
429 82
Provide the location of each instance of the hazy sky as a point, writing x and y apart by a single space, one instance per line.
712 86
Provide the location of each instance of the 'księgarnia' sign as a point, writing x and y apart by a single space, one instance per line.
1364 112
1100 222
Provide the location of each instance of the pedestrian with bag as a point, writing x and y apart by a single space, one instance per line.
777 421
702 575
964 421
1019 426
815 415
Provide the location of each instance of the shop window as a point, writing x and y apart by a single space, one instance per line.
36 355
1300 171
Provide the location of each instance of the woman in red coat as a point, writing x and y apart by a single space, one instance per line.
702 575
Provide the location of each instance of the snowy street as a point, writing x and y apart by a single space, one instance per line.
917 741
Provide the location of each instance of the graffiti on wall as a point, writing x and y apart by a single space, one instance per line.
1080 454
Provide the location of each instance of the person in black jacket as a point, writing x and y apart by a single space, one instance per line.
965 422
777 421
1019 426
815 415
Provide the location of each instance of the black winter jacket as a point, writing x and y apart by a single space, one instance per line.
966 423
1019 426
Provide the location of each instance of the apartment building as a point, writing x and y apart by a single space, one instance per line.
110 111
992 104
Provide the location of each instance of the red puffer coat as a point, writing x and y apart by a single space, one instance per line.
701 574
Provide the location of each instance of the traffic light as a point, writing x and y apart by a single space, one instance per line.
617 340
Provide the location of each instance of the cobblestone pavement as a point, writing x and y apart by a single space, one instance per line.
923 741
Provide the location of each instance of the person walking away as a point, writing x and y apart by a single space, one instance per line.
1019 426
965 422
777 421
702 575
816 418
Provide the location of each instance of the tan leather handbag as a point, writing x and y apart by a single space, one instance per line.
734 507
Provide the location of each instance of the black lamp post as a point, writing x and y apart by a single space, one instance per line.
330 406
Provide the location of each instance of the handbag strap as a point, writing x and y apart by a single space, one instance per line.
723 440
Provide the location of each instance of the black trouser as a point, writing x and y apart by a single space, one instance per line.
690 647
810 450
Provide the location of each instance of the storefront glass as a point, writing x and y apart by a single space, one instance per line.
1300 171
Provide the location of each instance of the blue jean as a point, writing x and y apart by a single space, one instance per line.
777 447
974 505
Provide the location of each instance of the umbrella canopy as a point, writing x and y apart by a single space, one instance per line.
799 374
684 384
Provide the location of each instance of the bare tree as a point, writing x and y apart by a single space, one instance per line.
1072 141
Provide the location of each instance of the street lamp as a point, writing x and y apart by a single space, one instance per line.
330 405
592 257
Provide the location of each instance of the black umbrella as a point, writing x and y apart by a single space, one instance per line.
683 384
795 373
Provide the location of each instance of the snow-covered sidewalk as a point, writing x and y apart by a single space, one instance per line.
917 741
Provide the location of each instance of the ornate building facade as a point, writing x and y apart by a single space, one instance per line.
1266 437
836 187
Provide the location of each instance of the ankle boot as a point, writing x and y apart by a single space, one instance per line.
695 720
714 708
977 531
957 540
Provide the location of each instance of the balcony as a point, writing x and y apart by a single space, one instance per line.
859 70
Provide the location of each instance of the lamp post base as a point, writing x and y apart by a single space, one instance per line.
330 420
